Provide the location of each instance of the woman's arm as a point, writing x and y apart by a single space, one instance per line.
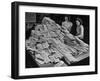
81 36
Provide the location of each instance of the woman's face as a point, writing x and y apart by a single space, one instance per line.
66 18
78 22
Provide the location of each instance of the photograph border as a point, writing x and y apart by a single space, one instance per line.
15 39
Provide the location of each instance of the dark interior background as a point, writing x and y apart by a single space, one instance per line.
32 19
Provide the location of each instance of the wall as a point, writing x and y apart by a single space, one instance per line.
5 40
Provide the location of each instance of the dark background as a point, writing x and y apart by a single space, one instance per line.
32 19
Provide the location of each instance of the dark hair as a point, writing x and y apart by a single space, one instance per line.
80 20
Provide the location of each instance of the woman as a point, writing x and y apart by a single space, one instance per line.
67 24
80 29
